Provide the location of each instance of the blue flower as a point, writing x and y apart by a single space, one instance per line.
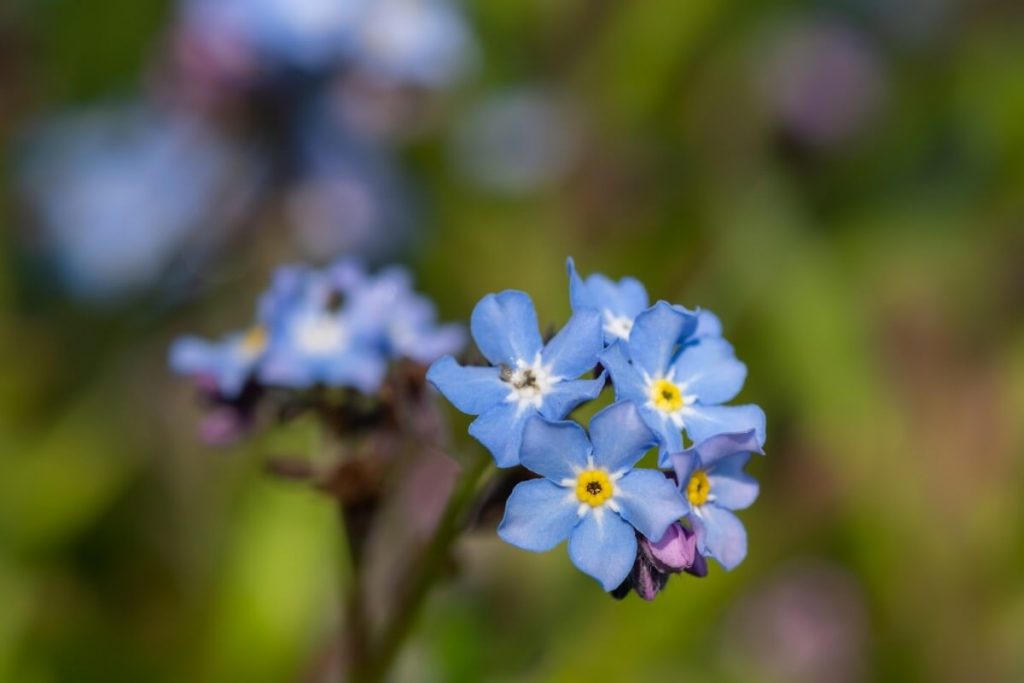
713 482
620 303
314 337
679 381
229 363
526 378
590 493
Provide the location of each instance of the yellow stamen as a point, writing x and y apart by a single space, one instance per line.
666 396
699 488
255 340
593 487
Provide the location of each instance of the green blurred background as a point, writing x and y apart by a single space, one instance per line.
869 270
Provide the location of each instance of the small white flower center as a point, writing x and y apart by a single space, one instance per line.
528 382
320 333
617 325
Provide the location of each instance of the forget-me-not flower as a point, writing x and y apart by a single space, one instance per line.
590 493
678 381
712 480
314 337
526 377
621 302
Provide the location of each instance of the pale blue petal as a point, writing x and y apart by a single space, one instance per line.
709 369
565 396
620 436
580 296
685 463
629 385
500 429
724 446
556 450
504 326
631 298
363 369
656 335
708 325
649 501
575 348
470 389
603 545
538 515
670 438
282 367
733 488
720 535
193 355
703 422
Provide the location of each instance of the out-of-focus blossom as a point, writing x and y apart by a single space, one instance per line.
526 377
823 81
590 493
678 381
807 625
517 141
308 34
714 484
620 302
347 196
421 43
119 192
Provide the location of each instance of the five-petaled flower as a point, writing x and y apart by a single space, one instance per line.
678 380
526 377
590 493
712 480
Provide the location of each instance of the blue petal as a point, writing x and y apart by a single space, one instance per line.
620 436
649 501
656 335
629 384
470 389
703 422
733 488
724 446
631 298
709 369
363 369
500 429
685 463
575 348
670 438
192 355
720 535
603 545
708 325
282 367
580 296
556 450
538 515
565 396
504 326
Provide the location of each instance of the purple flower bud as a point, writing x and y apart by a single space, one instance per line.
675 552
224 425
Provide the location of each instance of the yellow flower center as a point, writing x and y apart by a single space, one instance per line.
699 488
666 396
593 487
254 341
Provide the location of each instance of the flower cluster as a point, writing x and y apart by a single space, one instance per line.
673 374
335 327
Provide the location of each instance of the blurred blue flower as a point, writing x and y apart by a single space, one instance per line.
590 493
314 337
527 377
121 191
713 482
679 381
621 302
229 363
309 34
423 43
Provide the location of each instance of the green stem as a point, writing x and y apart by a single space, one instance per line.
452 523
